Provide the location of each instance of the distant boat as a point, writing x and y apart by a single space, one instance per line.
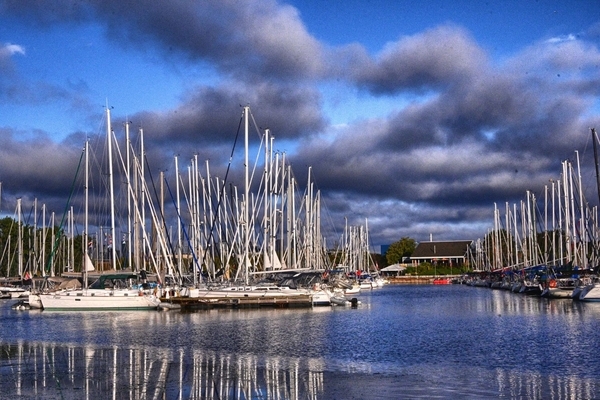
442 281
590 292
13 292
559 288
355 289
319 296
531 288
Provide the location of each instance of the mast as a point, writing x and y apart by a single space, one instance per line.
179 221
43 257
246 214
267 260
595 142
129 194
20 238
85 226
112 192
142 202
35 243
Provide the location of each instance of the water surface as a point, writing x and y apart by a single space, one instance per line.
403 341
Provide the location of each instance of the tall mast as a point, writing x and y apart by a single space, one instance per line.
85 227
246 197
179 221
112 191
267 260
143 194
129 194
20 239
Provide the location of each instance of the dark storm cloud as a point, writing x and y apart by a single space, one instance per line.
249 39
510 106
211 115
479 135
32 165
432 60
468 131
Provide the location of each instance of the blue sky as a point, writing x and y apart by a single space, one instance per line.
415 115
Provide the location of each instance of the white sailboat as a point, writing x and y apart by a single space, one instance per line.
117 291
113 291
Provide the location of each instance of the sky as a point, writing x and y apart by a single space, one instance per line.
417 117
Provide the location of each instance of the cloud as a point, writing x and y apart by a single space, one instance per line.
426 61
210 115
463 130
7 50
32 166
247 40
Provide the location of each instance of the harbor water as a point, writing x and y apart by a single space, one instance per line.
402 341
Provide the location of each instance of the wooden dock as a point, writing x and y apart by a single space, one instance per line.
416 280
207 303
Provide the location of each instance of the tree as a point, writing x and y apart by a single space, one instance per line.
400 249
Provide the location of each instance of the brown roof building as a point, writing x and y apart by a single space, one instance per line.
454 252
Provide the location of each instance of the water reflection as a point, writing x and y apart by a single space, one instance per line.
46 370
402 342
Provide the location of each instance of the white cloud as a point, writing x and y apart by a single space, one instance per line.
9 49
564 38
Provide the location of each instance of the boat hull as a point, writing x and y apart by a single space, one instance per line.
557 293
99 300
590 293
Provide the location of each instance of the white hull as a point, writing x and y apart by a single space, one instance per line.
35 301
15 292
590 293
319 296
98 299
246 291
355 289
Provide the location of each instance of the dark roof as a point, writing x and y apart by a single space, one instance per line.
456 248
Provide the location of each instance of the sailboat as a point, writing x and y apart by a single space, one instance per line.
115 291
112 291
243 237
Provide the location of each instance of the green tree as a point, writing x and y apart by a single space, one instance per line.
400 249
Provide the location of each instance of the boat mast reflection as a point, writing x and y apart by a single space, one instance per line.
43 370
50 370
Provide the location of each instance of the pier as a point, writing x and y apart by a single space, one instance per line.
417 279
205 303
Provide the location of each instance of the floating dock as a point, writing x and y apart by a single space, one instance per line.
206 303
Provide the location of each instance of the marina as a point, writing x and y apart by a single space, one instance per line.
217 250
299 200
417 341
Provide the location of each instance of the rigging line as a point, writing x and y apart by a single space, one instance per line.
595 142
145 159
182 226
62 221
222 192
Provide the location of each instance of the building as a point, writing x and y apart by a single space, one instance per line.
452 253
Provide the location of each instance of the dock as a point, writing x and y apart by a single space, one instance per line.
417 279
207 303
